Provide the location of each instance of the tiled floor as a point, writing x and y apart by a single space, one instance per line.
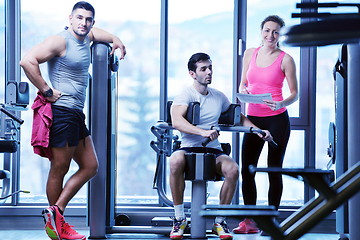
40 235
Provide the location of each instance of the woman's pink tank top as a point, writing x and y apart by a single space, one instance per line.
265 80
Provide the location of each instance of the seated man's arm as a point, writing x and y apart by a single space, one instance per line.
179 122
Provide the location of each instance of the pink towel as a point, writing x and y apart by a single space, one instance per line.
42 122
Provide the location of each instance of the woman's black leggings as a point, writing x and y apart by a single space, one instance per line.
279 127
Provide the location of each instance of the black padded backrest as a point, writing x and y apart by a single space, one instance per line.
192 114
232 116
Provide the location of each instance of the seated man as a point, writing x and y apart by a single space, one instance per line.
212 104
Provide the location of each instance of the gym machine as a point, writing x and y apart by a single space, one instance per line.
9 129
16 100
339 28
200 165
101 205
338 142
102 217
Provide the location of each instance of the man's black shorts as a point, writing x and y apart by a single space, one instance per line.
68 127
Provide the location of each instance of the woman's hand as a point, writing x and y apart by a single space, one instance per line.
267 136
244 91
274 105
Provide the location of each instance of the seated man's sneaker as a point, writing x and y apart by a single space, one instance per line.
248 226
222 230
178 228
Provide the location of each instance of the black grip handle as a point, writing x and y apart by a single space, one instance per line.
206 142
12 115
208 139
272 142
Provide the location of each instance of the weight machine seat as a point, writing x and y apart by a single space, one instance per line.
193 116
226 147
209 166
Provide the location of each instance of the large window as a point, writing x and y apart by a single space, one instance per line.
194 26
38 21
138 28
138 25
206 26
138 79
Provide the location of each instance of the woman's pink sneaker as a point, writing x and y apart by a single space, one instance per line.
247 226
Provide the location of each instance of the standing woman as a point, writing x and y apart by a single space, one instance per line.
264 71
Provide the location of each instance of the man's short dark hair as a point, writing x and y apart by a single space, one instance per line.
197 57
84 5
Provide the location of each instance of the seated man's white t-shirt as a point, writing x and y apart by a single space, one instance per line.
211 107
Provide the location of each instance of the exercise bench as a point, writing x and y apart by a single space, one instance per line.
331 196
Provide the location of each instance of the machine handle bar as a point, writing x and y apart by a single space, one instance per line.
19 120
241 129
255 130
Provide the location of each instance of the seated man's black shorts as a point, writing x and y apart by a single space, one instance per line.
68 127
214 151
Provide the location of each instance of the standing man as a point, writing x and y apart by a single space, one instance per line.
68 58
212 104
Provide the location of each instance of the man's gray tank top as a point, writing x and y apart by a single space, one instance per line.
70 74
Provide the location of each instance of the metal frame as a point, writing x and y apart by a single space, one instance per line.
163 201
340 136
102 187
12 75
163 57
239 46
353 135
